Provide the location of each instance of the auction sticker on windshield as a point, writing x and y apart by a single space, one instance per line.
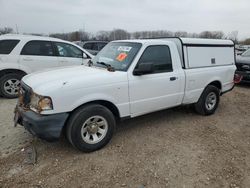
124 48
121 57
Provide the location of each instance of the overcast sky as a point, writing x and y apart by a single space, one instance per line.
48 16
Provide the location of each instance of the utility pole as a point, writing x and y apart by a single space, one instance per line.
114 33
83 31
17 29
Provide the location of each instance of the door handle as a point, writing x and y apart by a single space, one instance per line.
63 61
27 59
173 78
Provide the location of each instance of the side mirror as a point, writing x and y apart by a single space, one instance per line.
144 68
84 56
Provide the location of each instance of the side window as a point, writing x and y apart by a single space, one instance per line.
68 50
6 46
101 45
88 46
160 57
38 48
95 46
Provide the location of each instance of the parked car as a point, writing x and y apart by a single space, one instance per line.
94 47
125 80
239 51
79 43
243 66
24 54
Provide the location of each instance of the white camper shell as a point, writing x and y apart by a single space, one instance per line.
196 53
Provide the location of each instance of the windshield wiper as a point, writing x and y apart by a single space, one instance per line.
109 67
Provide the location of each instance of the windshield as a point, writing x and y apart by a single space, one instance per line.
246 53
118 55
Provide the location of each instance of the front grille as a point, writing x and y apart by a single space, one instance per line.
25 94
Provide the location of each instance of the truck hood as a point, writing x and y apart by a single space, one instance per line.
72 78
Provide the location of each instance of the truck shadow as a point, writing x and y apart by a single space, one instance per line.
243 85
155 118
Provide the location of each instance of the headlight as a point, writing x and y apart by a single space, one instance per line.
40 103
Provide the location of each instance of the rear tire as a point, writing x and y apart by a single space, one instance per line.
208 101
91 127
9 85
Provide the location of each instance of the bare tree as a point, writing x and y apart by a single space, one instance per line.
181 34
6 30
60 36
35 34
75 36
245 42
72 36
119 34
218 35
212 34
193 35
233 36
206 34
103 35
151 34
136 35
84 36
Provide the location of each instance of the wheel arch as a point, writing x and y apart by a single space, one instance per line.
111 106
200 105
216 83
7 71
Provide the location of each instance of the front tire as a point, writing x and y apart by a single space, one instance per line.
9 85
91 127
209 101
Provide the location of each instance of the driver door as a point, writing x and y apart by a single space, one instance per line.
160 89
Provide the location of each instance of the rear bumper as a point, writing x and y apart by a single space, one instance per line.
47 127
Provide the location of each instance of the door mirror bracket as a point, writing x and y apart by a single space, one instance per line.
144 68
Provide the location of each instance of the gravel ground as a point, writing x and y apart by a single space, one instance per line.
171 148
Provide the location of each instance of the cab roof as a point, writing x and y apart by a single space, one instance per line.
185 41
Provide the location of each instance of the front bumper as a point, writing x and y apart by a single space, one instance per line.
47 127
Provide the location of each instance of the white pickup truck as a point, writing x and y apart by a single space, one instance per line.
126 79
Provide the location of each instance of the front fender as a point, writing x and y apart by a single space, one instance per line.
91 98
68 103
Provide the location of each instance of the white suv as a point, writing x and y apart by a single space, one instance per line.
24 54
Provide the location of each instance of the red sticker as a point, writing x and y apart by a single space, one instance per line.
121 57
